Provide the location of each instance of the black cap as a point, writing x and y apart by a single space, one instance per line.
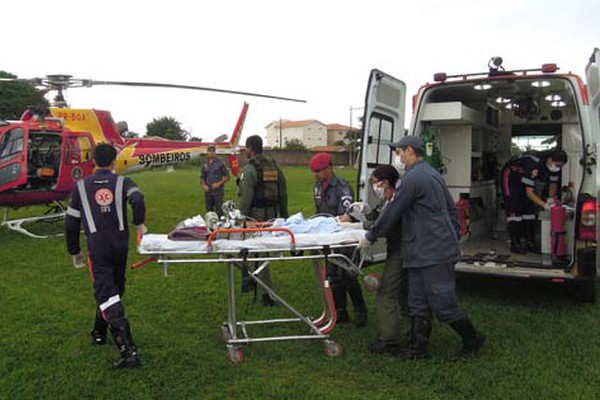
104 154
413 141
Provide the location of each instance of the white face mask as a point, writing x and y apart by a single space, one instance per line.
379 191
398 164
553 168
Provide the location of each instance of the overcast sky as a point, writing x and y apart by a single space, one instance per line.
320 51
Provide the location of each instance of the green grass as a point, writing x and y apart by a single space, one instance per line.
541 344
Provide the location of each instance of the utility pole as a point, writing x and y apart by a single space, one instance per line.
351 135
280 134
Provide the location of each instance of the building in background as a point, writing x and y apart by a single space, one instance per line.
310 132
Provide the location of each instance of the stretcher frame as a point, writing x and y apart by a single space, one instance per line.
235 332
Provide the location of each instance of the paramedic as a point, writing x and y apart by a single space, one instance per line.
519 177
430 248
213 177
392 296
99 201
333 196
262 194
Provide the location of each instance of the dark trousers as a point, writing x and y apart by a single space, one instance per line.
392 298
108 262
432 290
214 202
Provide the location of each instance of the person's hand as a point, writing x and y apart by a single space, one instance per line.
215 185
205 187
78 261
364 243
141 228
548 206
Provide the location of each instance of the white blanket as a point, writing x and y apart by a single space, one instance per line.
160 244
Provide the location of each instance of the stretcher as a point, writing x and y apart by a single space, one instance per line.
240 254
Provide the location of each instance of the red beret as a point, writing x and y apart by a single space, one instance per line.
320 161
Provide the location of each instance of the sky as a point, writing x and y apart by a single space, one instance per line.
319 51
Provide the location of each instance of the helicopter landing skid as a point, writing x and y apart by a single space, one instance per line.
15 224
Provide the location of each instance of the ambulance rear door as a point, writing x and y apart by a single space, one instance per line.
383 123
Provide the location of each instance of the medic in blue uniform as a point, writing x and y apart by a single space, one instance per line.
100 202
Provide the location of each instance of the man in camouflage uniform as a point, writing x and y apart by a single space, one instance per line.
262 194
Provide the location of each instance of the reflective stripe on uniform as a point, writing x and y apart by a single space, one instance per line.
132 191
86 207
527 181
528 217
119 202
73 212
514 218
110 302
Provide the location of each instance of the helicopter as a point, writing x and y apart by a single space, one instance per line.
46 151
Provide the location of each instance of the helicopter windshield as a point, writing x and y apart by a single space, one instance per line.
12 144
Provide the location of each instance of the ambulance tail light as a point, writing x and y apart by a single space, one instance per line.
549 68
587 229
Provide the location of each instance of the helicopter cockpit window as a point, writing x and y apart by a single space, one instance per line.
11 145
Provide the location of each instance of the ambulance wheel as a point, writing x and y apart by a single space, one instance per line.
333 349
584 290
235 354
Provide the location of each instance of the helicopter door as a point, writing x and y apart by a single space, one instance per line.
13 159
78 160
383 124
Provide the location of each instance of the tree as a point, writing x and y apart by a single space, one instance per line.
16 96
294 145
166 127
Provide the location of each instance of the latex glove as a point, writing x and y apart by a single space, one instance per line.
364 243
547 206
78 261
550 201
141 228
361 207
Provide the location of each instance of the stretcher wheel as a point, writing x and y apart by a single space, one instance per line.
333 349
235 354
372 282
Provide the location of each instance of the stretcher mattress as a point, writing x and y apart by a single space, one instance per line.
160 244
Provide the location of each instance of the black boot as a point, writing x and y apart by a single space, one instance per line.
471 338
515 233
358 301
339 299
121 333
418 340
98 334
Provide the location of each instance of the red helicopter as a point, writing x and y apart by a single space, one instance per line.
49 149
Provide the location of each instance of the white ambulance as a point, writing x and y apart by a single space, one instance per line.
472 124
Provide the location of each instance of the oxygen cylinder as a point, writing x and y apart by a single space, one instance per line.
432 152
557 231
463 208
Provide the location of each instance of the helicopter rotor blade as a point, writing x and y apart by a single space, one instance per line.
174 86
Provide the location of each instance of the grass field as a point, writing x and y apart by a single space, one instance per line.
541 344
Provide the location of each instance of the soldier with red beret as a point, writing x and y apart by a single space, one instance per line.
334 196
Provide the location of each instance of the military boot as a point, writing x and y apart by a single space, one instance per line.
121 333
418 341
358 301
472 340
339 300
98 334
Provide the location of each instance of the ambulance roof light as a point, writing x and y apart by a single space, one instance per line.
440 77
549 68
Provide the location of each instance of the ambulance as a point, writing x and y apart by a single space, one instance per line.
472 124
